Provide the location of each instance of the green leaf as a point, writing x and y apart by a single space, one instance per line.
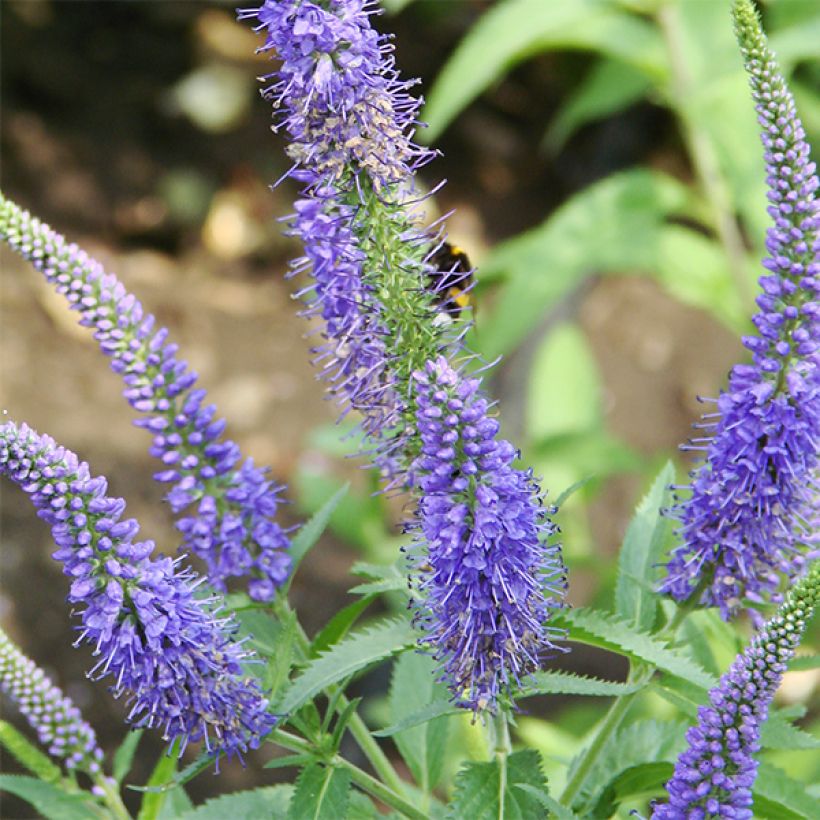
124 756
639 555
609 87
435 709
563 357
607 631
804 663
28 755
553 806
644 780
49 800
177 803
514 30
634 745
779 797
361 807
413 687
568 683
693 268
339 625
780 733
356 652
384 578
613 225
309 534
159 785
321 793
478 792
274 638
270 802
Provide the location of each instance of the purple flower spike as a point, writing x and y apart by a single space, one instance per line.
232 527
164 648
749 516
488 581
714 776
57 721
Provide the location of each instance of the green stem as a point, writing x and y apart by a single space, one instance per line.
111 797
361 778
702 151
502 749
639 674
358 728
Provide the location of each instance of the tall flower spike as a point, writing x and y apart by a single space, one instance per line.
714 776
57 721
232 528
164 648
747 520
488 581
350 118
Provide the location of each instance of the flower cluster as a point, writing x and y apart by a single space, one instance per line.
375 282
57 721
164 647
232 527
714 776
749 512
349 119
487 570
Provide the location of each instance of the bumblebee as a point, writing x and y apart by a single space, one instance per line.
452 279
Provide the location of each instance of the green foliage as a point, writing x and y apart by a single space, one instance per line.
488 791
124 756
356 652
412 688
269 801
27 754
512 31
322 793
602 629
613 226
641 551
567 683
51 801
779 797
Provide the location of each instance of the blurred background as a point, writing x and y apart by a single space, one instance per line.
605 172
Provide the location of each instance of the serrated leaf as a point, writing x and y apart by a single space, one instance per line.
607 631
550 804
309 534
611 226
274 639
27 754
514 30
339 625
779 797
124 756
269 802
640 552
356 652
49 800
568 683
804 663
322 793
361 807
478 792
435 709
413 687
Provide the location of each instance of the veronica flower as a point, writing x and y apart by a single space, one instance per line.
714 776
231 525
747 517
349 119
57 721
164 648
487 572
